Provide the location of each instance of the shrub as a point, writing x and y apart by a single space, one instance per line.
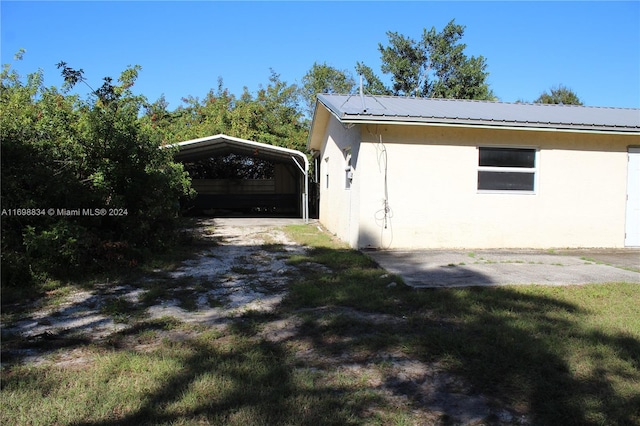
60 152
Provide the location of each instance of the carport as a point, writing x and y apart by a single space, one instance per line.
287 187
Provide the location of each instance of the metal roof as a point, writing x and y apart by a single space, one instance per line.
220 145
361 109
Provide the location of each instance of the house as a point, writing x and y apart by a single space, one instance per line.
400 172
283 192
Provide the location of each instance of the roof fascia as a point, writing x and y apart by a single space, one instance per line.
321 115
488 126
222 138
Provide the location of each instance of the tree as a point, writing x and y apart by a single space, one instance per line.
99 155
323 78
124 166
406 60
372 84
273 115
452 74
434 66
282 119
41 161
559 95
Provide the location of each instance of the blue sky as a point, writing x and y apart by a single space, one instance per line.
183 47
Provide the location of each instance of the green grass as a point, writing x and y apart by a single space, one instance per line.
559 355
121 310
562 354
233 379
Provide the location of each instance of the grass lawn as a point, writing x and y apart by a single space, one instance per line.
550 355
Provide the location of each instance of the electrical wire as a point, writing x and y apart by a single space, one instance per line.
385 214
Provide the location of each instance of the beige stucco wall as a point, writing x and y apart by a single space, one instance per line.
431 175
336 210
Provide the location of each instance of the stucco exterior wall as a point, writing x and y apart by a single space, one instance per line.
337 213
428 176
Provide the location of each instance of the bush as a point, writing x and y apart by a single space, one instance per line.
61 152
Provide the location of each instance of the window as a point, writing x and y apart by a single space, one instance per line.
507 169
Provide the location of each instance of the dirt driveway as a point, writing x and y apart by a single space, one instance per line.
236 274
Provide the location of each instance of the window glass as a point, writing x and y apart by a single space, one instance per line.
506 181
506 169
507 157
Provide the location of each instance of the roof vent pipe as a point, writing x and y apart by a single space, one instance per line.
364 107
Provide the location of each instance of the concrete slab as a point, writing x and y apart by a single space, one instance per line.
459 268
258 222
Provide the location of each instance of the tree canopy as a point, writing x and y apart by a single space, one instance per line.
323 78
434 66
62 154
273 115
559 95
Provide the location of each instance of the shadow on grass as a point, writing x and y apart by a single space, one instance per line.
531 349
247 384
522 349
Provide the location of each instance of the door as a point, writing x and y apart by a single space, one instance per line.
632 231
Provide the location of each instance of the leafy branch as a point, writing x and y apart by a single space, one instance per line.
106 93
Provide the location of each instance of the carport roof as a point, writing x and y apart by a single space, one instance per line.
409 110
220 145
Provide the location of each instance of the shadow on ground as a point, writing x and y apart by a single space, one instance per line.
350 344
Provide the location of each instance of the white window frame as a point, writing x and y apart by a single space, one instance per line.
534 170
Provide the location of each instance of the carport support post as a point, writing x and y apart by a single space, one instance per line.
305 195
